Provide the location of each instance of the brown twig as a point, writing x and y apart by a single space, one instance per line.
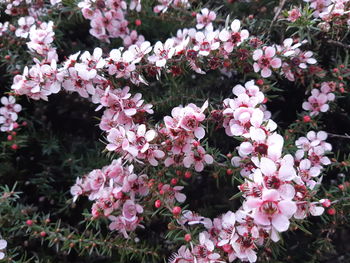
278 12
337 43
339 136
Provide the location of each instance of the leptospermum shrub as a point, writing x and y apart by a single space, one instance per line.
174 131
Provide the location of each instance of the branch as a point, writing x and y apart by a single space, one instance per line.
278 12
337 43
339 136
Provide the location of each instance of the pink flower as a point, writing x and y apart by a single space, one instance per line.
205 18
301 59
228 230
162 52
307 172
152 154
76 83
10 105
41 37
182 255
140 141
139 50
250 89
122 225
3 28
173 193
135 5
244 246
94 61
234 38
204 251
268 168
304 209
271 210
24 26
191 118
77 189
3 245
118 141
265 60
293 15
133 39
198 157
120 64
163 7
268 146
316 103
130 210
205 43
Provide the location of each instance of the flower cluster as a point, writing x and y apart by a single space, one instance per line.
31 7
87 76
182 132
125 135
115 190
164 5
108 19
295 60
319 99
327 10
310 157
277 188
42 79
8 114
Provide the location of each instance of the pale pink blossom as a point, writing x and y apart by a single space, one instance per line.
293 15
205 18
198 158
205 43
162 52
24 26
120 64
233 38
271 210
265 60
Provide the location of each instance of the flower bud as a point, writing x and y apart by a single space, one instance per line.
176 210
331 211
158 203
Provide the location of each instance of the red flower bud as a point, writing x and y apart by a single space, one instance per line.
173 181
188 174
306 119
331 211
14 146
138 22
158 203
260 82
176 210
